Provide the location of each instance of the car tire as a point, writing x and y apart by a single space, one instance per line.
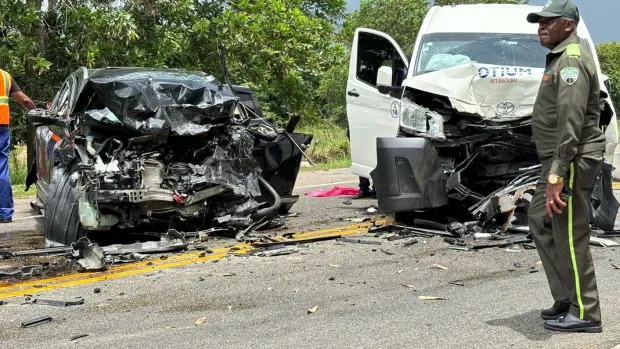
62 220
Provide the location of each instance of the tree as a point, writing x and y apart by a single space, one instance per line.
281 48
609 57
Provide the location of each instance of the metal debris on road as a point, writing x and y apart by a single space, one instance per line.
457 283
36 322
276 252
91 256
56 303
76 337
430 298
387 252
359 241
602 242
27 270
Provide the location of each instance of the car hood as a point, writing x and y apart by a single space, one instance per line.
159 101
498 93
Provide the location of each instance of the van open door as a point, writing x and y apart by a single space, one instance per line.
377 69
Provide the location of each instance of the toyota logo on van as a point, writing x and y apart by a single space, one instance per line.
505 108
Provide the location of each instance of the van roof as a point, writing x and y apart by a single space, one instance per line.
484 18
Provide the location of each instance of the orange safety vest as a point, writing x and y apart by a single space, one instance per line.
5 87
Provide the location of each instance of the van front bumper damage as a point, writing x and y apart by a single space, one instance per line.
408 175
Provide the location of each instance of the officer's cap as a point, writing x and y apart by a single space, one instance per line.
556 8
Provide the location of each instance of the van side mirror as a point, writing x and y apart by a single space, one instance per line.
384 82
384 76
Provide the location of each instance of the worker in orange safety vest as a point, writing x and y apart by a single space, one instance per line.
8 88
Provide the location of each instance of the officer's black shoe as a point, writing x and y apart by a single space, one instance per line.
558 309
6 220
364 194
570 323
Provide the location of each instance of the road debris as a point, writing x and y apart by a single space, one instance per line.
36 322
201 321
91 256
56 303
313 309
457 283
359 241
281 251
439 266
430 298
602 242
410 286
78 336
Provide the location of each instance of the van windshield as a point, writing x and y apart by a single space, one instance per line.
445 50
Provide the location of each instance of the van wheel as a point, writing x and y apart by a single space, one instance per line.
62 220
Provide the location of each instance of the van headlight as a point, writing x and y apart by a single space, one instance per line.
420 121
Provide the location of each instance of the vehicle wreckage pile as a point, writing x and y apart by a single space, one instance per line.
151 150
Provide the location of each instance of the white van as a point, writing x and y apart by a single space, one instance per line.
452 124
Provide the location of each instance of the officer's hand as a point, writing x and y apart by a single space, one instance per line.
554 203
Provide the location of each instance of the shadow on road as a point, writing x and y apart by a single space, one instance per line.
530 325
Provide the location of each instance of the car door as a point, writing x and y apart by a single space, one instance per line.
371 114
46 139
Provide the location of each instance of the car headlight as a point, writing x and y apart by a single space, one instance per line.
420 121
413 116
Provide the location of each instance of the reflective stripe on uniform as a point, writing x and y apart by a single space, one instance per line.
5 116
571 243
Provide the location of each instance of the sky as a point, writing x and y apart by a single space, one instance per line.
601 17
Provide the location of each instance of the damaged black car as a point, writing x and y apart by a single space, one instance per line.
125 150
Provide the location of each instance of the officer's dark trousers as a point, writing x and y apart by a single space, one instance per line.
6 194
563 241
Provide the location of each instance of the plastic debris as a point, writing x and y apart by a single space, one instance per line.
313 309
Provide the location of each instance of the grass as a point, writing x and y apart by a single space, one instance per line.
18 170
329 148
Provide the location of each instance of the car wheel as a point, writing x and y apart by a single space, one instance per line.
62 220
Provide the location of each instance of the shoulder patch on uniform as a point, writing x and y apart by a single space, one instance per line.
573 50
569 75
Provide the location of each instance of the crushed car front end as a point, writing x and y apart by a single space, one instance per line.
160 149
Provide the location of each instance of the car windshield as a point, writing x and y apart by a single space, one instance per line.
445 50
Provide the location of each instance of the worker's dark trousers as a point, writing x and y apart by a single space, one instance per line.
563 241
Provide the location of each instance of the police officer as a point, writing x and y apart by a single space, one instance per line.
570 145
8 88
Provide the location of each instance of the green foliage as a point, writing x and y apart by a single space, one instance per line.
280 48
609 56
450 2
330 143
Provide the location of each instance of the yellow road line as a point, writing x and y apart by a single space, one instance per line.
75 279
615 185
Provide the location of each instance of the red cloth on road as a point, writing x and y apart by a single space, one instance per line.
335 191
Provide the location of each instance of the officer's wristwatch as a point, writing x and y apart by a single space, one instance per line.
554 179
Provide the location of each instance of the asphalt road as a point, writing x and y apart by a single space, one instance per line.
263 302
